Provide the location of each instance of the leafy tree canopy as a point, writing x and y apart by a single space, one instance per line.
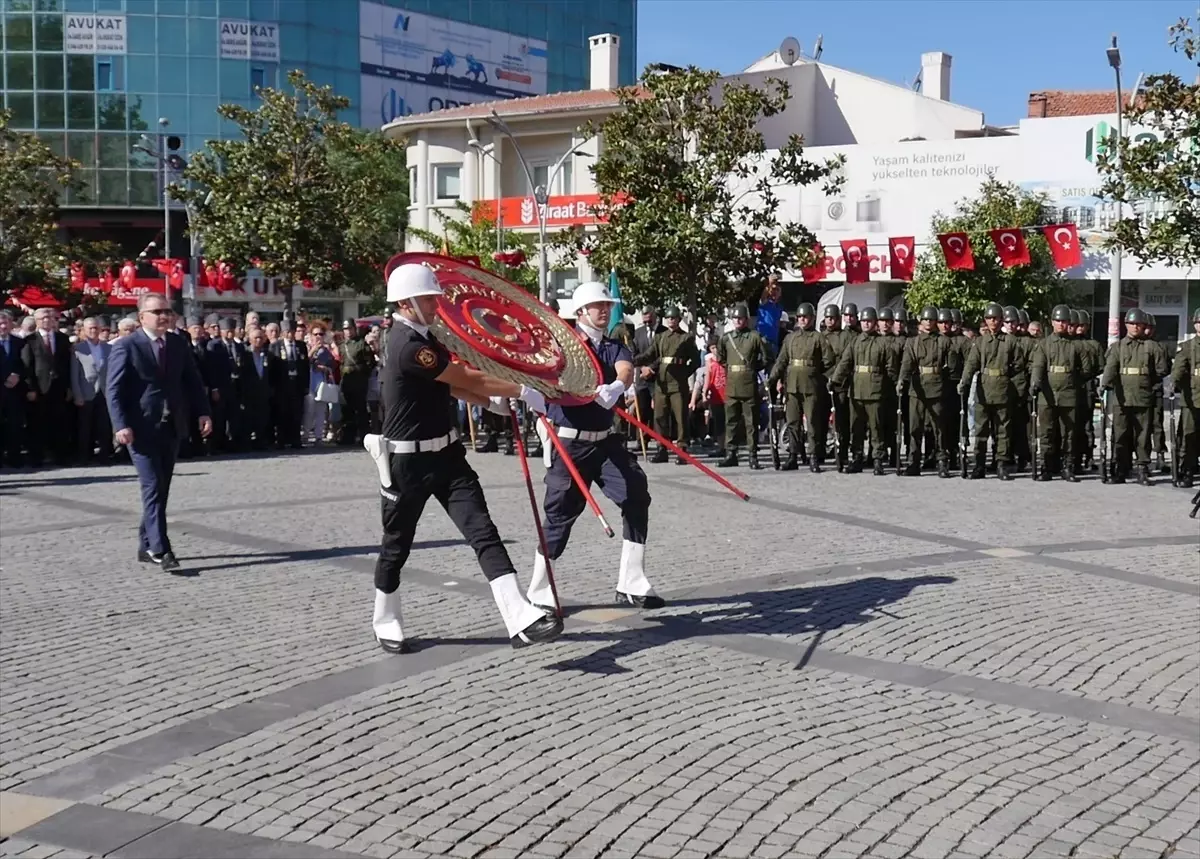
687 189
1159 173
472 233
1037 287
300 195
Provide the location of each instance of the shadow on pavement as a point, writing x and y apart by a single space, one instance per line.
79 480
265 559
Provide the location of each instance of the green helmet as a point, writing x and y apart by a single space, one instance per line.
1085 318
929 314
741 311
1136 316
1012 315
1061 313
901 314
851 309
672 312
832 311
994 311
806 309
1024 315
886 315
868 314
1196 316
1076 317
944 315
956 315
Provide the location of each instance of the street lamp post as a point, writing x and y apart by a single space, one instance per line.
490 152
168 159
541 195
1114 288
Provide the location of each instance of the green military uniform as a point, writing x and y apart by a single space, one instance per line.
869 365
804 363
674 357
743 353
1186 378
960 345
839 341
1060 368
889 403
996 359
357 362
1133 368
1022 415
1086 437
924 380
1158 432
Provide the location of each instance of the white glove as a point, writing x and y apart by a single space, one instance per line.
609 395
499 406
534 399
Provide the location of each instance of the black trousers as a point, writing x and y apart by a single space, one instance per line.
46 426
355 418
446 476
95 429
611 467
12 430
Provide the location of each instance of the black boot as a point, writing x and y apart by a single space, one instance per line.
660 456
1003 471
1044 473
1143 475
492 445
913 470
814 465
1163 467
679 460
730 460
943 467
790 464
1186 481
878 469
979 470
509 448
1068 473
854 466
754 463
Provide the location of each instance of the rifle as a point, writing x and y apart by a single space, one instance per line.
773 430
1175 444
1195 506
1037 446
838 458
1104 463
964 435
900 431
802 439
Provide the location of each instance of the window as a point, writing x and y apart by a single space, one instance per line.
81 110
541 174
50 110
258 79
104 75
445 181
566 176
50 71
82 147
81 73
20 32
413 197
21 105
110 112
50 32
20 71
114 188
143 188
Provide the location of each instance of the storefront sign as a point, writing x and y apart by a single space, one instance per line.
249 40
566 211
94 34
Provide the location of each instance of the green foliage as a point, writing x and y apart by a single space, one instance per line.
687 187
1160 174
1037 287
33 181
473 233
301 195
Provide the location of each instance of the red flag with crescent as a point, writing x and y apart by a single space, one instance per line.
128 275
815 273
78 276
956 247
1064 245
499 328
858 264
902 262
1011 247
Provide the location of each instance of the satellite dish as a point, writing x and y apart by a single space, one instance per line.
789 51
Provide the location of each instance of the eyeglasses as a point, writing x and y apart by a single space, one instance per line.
159 311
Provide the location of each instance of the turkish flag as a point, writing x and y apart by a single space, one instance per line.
128 275
858 265
815 273
956 247
1064 245
175 278
228 281
902 262
78 276
1011 247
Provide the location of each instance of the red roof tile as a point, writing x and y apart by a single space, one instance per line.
1057 102
554 102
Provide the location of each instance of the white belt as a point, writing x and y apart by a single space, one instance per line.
584 435
425 445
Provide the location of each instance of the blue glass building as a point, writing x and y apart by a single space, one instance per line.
90 77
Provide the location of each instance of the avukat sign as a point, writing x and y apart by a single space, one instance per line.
499 328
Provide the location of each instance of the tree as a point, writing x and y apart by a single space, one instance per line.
301 195
688 206
1037 287
473 234
1158 172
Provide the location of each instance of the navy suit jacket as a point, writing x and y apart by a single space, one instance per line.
10 362
138 392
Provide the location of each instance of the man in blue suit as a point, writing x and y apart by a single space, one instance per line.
154 387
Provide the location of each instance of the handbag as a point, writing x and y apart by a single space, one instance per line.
327 392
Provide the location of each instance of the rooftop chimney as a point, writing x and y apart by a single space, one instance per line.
1037 105
935 75
604 49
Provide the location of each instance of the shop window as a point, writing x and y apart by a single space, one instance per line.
446 183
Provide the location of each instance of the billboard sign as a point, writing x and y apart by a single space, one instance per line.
565 211
94 34
249 40
415 63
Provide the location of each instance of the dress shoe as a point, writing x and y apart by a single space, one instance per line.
679 460
814 466
913 470
660 456
648 601
395 646
145 557
790 464
877 468
166 561
538 632
730 460
1002 471
754 463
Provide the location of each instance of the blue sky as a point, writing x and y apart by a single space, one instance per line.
1003 49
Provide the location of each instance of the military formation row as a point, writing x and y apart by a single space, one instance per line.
891 398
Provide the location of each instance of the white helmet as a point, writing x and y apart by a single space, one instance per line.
410 280
591 292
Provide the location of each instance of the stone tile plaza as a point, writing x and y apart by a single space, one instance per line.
846 666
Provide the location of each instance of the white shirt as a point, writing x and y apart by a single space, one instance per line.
423 330
593 334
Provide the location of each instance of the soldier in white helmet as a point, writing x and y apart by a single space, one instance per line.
419 456
599 454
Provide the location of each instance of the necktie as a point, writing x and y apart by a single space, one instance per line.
162 356
50 342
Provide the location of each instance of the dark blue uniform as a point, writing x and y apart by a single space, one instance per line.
605 462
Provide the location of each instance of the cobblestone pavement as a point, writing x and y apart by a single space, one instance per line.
848 666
